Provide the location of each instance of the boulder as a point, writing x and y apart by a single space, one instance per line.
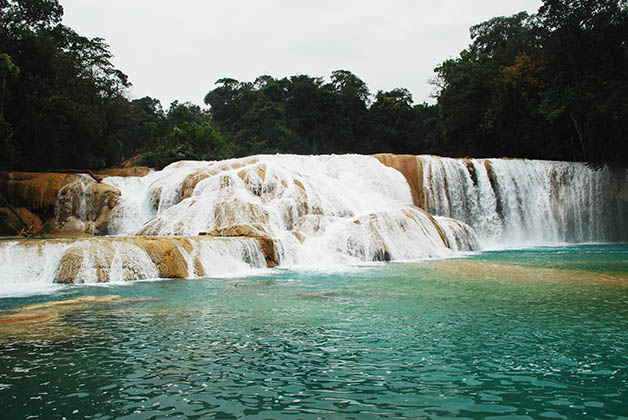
35 191
86 206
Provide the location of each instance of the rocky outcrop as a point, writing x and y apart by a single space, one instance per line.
86 206
255 231
127 171
412 170
105 259
66 203
238 230
35 191
16 220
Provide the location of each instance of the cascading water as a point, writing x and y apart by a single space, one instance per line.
134 207
36 265
321 211
511 202
328 209
314 210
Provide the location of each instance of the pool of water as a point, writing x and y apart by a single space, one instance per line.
536 333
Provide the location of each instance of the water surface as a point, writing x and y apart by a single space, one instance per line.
537 333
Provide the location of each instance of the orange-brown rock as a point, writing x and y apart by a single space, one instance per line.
166 255
491 174
228 213
41 312
11 225
190 181
86 258
237 230
86 206
77 303
27 317
412 170
254 231
269 249
73 260
126 171
36 191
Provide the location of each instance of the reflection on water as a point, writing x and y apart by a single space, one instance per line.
499 334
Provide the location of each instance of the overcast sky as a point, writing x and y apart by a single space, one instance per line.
178 49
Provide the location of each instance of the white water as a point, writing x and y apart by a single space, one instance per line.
324 212
134 207
529 202
328 209
33 266
320 210
26 270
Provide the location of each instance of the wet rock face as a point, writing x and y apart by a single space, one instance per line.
11 225
410 167
269 250
255 231
34 191
73 200
98 260
237 230
86 206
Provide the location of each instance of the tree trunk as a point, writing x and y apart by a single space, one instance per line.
579 134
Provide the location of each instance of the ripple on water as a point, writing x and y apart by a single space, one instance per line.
396 341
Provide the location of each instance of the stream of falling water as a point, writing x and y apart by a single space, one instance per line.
323 212
515 202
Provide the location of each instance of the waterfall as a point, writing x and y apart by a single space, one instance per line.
513 202
196 219
36 265
330 209
134 207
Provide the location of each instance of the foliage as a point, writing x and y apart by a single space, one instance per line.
58 90
551 85
184 133
188 141
303 114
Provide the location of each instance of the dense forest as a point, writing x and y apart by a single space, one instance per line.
552 85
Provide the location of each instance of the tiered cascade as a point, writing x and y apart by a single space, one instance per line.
195 219
209 218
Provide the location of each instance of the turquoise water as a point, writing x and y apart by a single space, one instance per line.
539 333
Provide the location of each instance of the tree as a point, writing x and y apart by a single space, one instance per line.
391 118
7 147
585 46
188 141
551 85
58 111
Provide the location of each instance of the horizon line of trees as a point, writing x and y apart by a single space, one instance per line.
551 85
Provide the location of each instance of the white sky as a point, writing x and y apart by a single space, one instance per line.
177 49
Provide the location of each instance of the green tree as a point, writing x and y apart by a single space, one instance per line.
551 85
587 81
58 109
7 148
391 118
188 141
